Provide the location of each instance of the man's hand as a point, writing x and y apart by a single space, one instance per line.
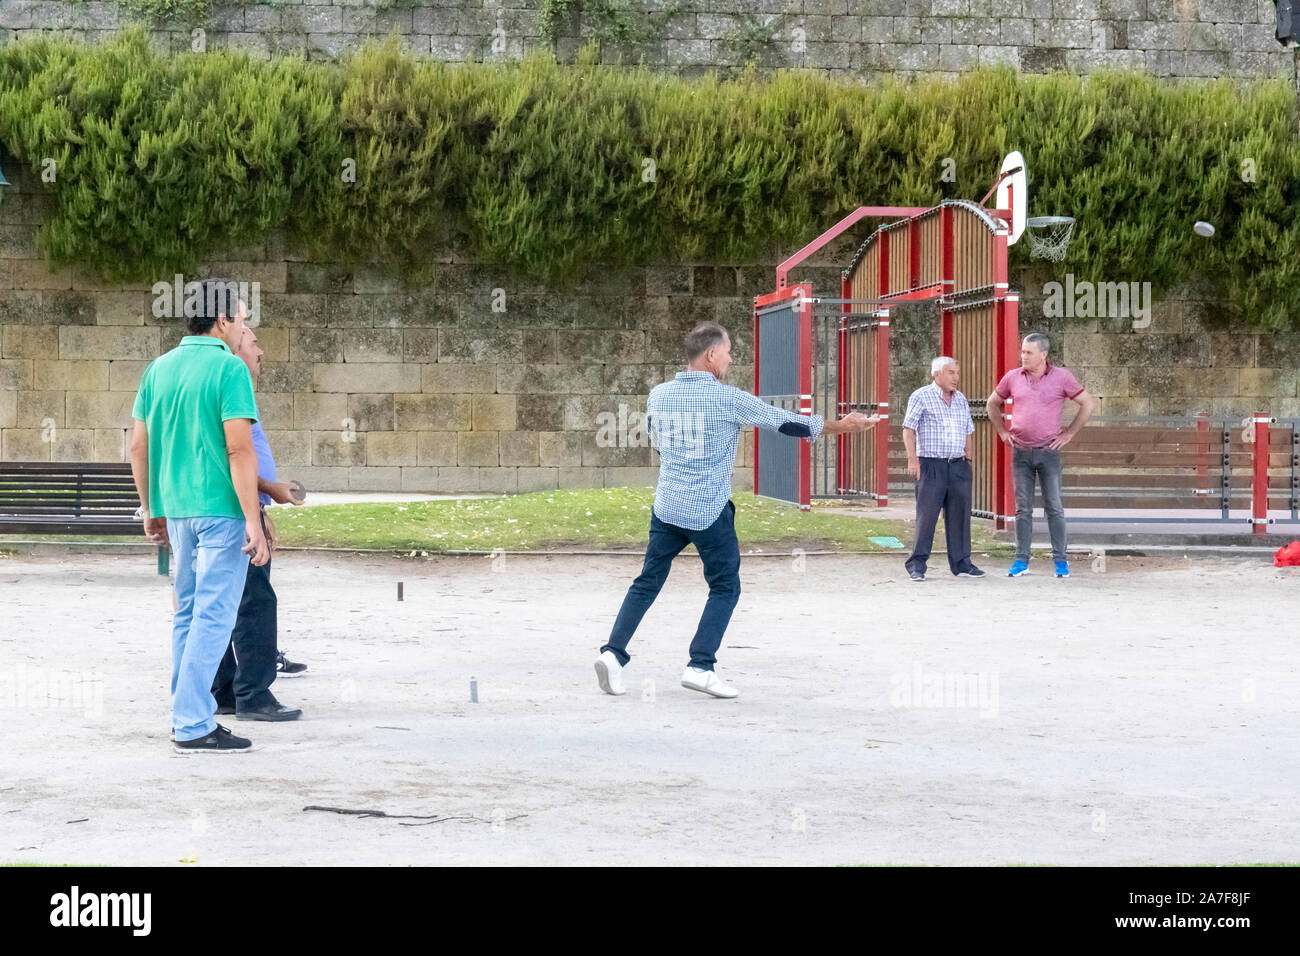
858 422
1060 441
1006 438
155 529
914 467
281 492
256 547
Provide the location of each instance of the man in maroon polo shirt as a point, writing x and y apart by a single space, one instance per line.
1038 391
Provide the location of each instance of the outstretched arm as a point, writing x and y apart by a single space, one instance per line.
753 411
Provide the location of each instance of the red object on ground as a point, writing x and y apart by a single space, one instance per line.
1287 556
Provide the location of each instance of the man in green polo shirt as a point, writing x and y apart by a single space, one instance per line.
196 471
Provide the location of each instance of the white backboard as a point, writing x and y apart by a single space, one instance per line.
1013 194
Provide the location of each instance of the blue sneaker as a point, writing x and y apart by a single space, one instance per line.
1062 569
1018 568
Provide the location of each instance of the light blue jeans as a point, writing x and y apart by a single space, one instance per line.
210 570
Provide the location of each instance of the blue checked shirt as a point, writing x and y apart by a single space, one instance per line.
941 429
694 424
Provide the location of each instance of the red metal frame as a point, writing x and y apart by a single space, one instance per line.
1259 477
1006 318
805 392
882 409
1006 332
862 212
841 371
1202 454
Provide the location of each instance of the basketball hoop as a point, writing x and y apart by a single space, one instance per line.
1049 236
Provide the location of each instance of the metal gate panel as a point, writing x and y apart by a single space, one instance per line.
783 377
974 330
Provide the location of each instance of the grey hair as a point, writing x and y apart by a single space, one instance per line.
702 338
937 365
1039 339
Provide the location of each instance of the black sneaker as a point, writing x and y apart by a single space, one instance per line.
220 741
270 712
917 575
971 572
287 668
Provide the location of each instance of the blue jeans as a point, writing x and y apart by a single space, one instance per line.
1043 464
210 570
720 552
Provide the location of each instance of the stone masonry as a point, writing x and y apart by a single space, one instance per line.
368 385
1176 38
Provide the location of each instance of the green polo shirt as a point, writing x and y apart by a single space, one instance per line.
185 397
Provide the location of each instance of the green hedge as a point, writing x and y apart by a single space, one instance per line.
162 159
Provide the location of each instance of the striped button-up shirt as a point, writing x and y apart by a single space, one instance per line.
694 424
941 428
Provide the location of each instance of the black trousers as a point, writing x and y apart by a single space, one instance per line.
943 486
245 674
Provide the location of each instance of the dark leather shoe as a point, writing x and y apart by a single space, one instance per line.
225 708
270 712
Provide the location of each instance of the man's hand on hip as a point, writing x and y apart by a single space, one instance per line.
1060 441
1006 438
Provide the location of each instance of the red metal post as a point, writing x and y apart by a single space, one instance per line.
948 277
1007 337
841 388
882 408
1202 454
914 253
882 285
805 391
757 391
1259 485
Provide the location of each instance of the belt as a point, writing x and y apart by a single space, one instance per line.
958 458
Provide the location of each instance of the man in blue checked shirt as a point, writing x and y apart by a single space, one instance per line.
936 433
695 423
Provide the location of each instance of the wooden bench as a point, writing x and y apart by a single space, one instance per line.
70 498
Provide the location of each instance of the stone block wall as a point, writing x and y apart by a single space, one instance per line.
1176 38
370 385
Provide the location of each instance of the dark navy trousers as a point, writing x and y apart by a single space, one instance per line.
719 550
943 486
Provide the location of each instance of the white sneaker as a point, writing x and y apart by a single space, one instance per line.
707 682
610 674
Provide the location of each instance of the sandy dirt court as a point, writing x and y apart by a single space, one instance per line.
1142 714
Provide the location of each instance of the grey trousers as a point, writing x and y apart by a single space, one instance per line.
1043 464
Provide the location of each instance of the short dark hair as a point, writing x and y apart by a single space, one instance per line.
1039 339
220 297
702 338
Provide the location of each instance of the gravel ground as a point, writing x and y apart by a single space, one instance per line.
1144 713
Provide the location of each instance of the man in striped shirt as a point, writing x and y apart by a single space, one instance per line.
695 423
936 433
